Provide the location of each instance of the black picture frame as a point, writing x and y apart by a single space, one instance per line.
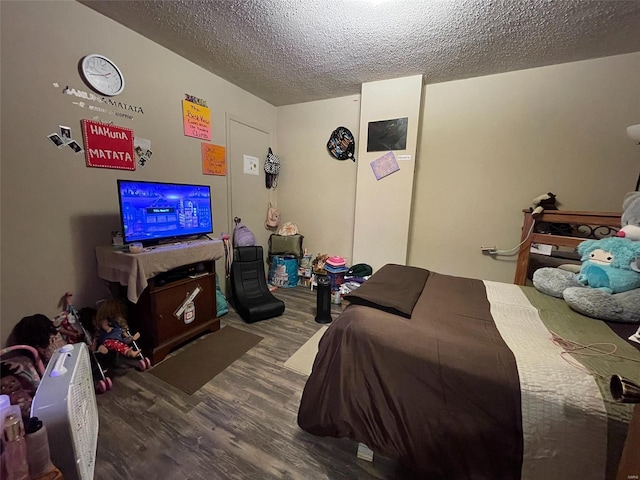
386 135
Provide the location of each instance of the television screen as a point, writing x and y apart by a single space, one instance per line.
155 211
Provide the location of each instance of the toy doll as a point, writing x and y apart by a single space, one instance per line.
39 332
11 385
113 332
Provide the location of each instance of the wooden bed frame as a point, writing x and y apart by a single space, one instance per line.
580 226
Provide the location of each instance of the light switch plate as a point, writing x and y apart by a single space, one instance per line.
250 166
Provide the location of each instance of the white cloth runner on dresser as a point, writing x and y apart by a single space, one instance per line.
563 413
133 270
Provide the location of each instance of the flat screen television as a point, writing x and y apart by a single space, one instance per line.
157 212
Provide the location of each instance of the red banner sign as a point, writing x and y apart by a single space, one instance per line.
108 146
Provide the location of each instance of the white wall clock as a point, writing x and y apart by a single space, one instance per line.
102 75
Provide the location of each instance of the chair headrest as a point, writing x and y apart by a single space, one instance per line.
247 254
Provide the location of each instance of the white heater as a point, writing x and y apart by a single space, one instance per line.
66 403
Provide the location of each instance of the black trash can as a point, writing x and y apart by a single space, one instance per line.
323 314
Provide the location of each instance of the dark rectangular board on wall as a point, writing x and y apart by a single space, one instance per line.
386 135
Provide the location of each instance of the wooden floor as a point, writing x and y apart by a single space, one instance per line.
240 425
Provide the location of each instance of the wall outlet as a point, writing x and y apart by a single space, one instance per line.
488 250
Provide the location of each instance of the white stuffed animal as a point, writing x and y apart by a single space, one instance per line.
630 219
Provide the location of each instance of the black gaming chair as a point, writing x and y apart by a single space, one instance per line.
252 299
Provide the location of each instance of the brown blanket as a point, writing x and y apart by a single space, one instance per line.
439 392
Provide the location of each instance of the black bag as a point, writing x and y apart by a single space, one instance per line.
271 169
341 144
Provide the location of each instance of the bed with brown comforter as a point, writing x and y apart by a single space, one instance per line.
468 379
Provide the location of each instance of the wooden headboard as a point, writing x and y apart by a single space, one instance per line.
561 228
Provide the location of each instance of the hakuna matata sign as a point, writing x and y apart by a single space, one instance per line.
108 146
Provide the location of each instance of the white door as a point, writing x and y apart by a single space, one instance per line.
248 197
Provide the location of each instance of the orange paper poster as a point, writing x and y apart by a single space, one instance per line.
214 159
197 120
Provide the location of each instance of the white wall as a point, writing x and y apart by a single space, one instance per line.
487 146
315 190
492 144
55 209
383 206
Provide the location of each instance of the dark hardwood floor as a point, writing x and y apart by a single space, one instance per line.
240 425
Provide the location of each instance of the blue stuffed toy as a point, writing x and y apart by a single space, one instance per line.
606 264
607 286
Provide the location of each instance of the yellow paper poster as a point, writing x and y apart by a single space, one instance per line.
213 159
197 120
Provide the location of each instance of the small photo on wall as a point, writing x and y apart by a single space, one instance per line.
55 138
65 133
144 158
75 146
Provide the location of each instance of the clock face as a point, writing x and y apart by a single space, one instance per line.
102 75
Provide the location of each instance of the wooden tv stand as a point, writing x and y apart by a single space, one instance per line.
153 314
167 277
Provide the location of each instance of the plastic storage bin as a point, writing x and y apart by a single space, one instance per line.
335 280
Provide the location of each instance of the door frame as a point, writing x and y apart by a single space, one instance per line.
230 117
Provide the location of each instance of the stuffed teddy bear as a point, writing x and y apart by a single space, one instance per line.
273 218
630 219
607 287
606 264
546 201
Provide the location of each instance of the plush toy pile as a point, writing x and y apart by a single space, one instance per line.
607 287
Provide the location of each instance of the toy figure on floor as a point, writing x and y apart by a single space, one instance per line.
113 333
11 385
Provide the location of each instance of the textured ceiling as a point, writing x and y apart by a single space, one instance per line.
293 51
